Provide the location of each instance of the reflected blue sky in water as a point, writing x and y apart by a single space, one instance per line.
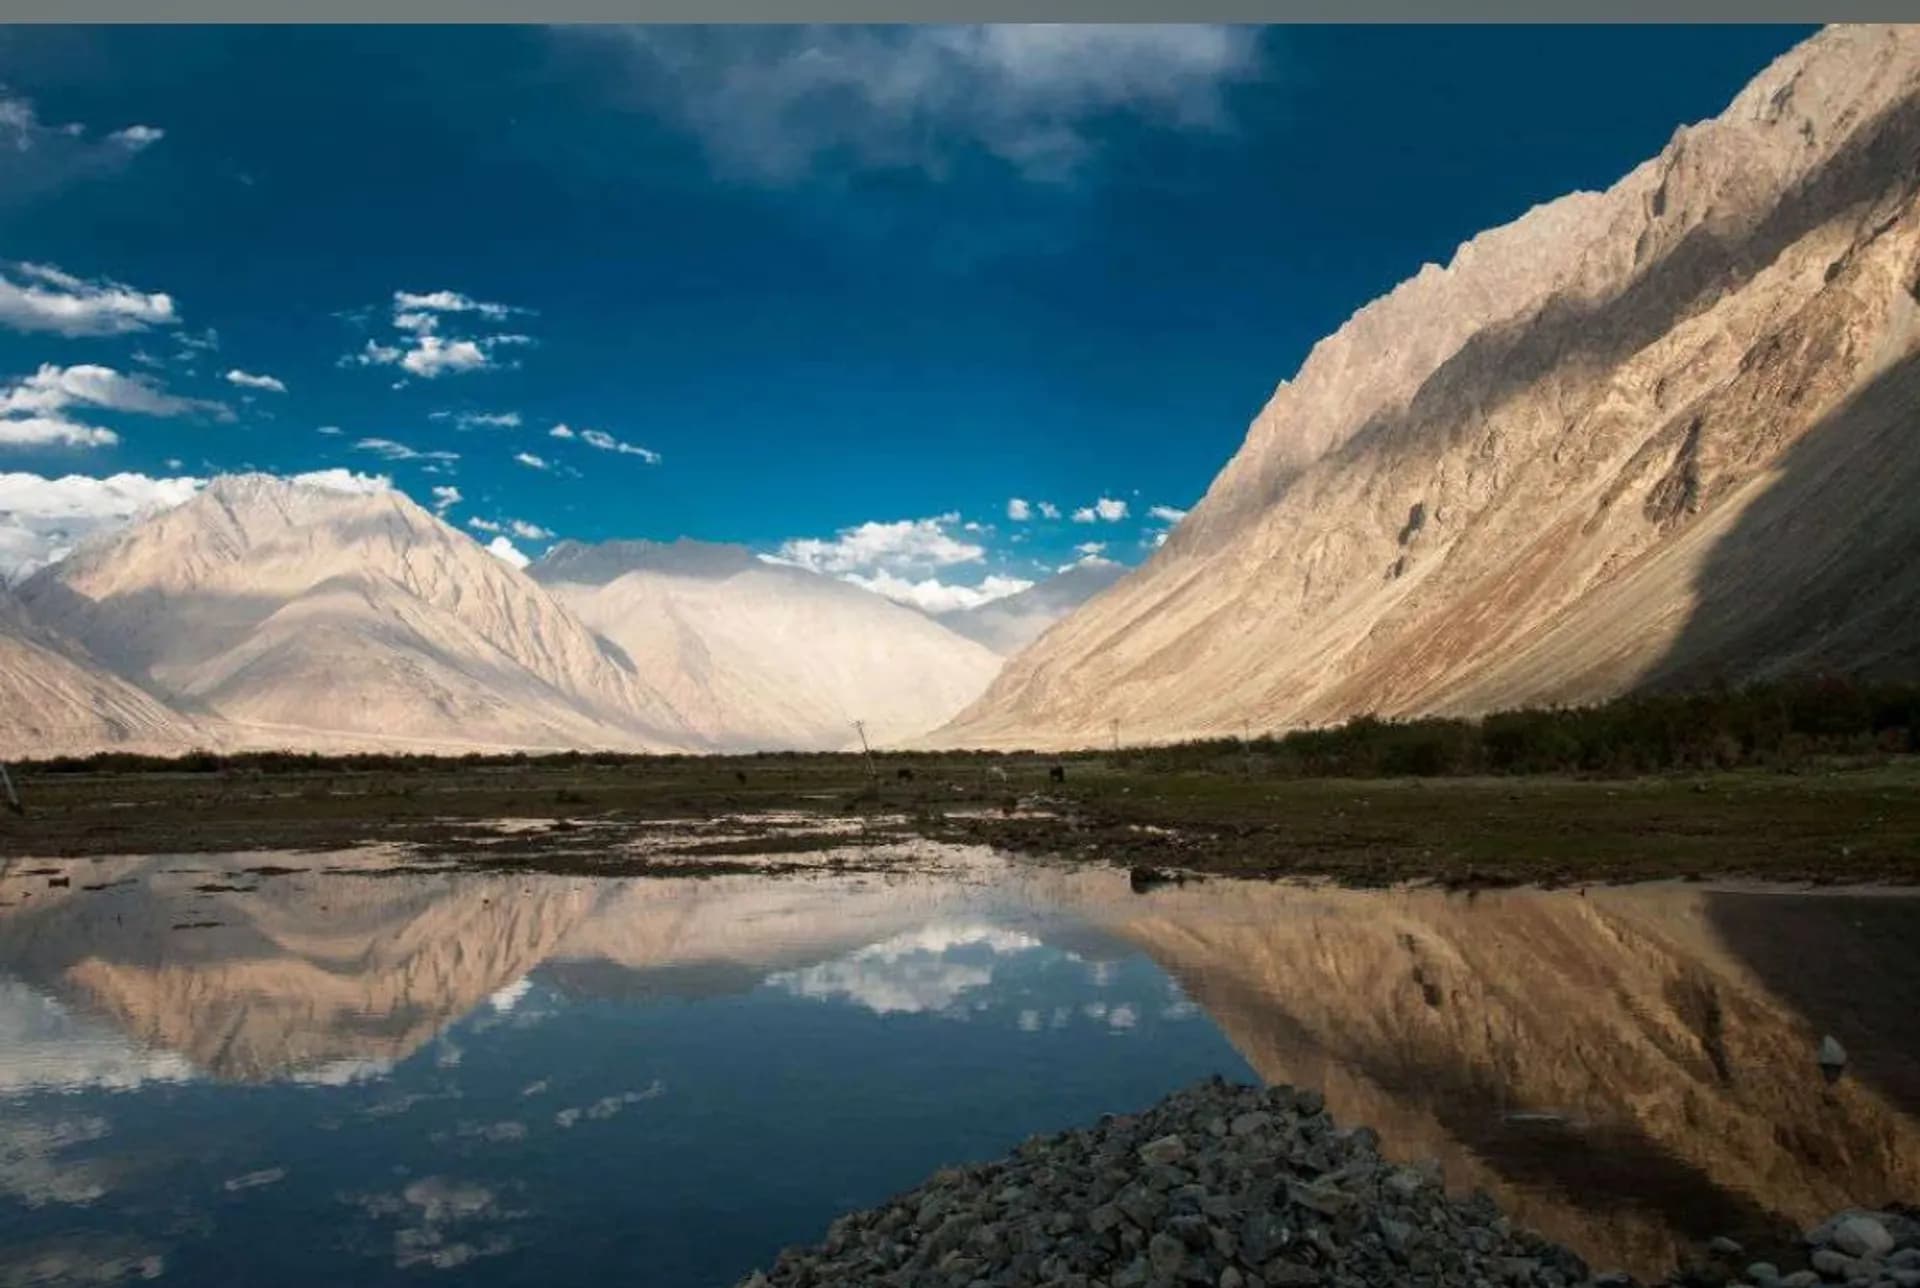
332 1076
579 1125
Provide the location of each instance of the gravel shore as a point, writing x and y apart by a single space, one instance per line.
1247 1187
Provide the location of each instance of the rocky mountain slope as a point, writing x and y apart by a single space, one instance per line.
1009 624
54 699
1647 435
750 654
295 615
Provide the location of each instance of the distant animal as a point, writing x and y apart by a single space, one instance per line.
903 774
1057 773
740 776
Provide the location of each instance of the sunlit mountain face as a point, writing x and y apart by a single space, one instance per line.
197 1060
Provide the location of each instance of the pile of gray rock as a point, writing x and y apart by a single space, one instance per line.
1243 1187
1227 1186
1857 1248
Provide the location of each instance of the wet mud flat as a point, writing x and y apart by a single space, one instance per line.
1832 824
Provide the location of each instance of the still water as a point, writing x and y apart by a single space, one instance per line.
334 1075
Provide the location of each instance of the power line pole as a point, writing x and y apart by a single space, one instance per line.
860 726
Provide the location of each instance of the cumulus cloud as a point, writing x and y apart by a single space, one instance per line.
1090 548
422 348
931 595
344 480
777 104
479 419
903 560
40 297
531 461
506 552
898 546
53 431
1105 510
247 380
445 498
33 409
54 388
1048 510
1018 510
43 519
1167 513
389 450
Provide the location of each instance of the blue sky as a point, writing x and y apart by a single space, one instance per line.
807 279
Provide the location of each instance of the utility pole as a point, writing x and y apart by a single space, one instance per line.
860 726
13 797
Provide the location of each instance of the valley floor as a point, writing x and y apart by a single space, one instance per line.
1827 822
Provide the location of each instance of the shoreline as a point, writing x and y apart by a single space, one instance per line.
1856 826
1249 1187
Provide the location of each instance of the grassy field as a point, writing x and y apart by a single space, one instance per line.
1826 821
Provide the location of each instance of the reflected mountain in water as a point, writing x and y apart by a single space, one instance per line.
1605 1063
1626 1070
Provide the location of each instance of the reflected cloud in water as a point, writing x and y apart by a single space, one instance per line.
479 1068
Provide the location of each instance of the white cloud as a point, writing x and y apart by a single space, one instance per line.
249 381
505 551
43 519
517 527
38 156
902 545
138 136
1091 548
424 351
49 299
531 461
1018 510
1155 539
775 104
388 450
345 480
53 431
53 388
433 302
1106 510
923 971
1048 510
445 498
604 441
931 595
1167 514
479 419
901 560
328 429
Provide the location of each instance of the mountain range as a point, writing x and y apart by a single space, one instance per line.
1660 434
267 612
1656 435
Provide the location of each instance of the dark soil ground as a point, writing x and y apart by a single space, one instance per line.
1832 821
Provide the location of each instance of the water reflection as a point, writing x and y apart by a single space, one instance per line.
332 1074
